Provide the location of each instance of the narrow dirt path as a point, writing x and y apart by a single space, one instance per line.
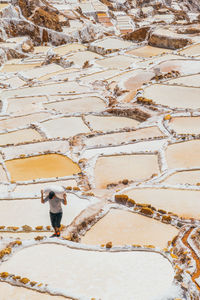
195 257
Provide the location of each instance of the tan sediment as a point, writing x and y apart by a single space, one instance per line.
127 228
192 50
18 67
148 51
19 136
112 169
41 166
26 105
184 177
185 125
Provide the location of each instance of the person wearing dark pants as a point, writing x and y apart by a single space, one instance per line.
55 210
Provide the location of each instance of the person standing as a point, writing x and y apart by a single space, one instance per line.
55 210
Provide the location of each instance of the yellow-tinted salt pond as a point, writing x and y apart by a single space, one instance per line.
107 123
184 177
65 127
124 271
148 51
3 176
184 203
19 136
173 96
7 68
112 169
8 291
183 155
185 125
83 104
13 123
34 213
41 49
41 166
121 137
127 228
3 5
117 62
63 50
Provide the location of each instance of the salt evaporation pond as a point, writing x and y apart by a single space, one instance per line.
102 275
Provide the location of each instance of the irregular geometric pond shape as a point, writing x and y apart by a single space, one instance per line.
184 177
108 276
191 80
25 105
41 166
184 203
127 228
8 291
41 71
65 127
148 51
112 169
121 137
3 176
34 213
182 65
173 96
192 50
80 58
19 136
82 105
110 123
183 155
185 125
111 43
9 67
116 62
63 50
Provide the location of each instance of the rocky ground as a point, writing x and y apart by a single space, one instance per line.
100 97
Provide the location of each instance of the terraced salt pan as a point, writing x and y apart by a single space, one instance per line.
121 137
192 50
192 80
63 50
112 169
48 89
41 71
173 96
80 58
102 75
184 203
112 43
102 275
14 82
41 49
34 189
3 176
34 213
3 5
19 136
110 123
184 177
8 291
129 229
183 155
148 51
35 148
41 166
117 62
9 68
15 122
185 125
65 127
184 66
82 105
25 105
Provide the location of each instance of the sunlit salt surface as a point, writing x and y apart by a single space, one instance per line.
8 67
184 203
129 229
179 155
173 96
65 127
185 125
102 275
117 62
62 50
82 105
19 136
110 123
8 291
112 169
25 105
3 176
192 50
80 58
192 80
41 166
184 177
148 51
34 213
